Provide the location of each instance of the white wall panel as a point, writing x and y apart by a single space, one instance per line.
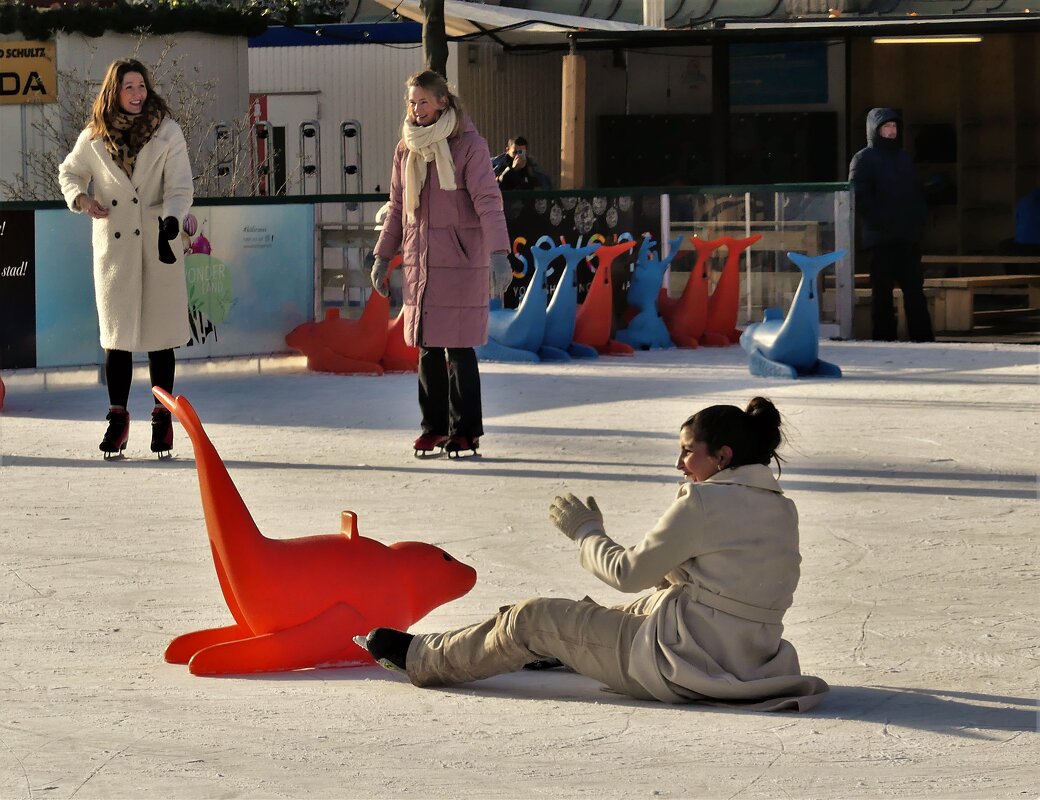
362 82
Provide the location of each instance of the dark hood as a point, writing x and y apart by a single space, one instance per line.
877 117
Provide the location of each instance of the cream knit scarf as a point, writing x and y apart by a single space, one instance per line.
426 144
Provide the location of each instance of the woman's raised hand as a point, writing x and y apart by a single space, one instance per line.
574 518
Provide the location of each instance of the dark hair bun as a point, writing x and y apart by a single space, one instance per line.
753 434
765 420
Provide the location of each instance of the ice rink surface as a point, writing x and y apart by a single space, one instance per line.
915 476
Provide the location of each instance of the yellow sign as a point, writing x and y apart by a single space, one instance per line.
28 73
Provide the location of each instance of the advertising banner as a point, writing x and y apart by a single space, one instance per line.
249 272
66 314
17 290
28 73
577 221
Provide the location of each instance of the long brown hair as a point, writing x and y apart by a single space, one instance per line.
106 104
435 83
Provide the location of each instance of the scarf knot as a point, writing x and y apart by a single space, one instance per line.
425 144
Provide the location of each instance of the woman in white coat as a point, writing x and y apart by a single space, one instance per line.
135 156
723 561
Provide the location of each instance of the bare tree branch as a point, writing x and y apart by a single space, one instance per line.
221 153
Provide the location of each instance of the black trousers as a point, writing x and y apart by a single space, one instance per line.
119 370
898 264
449 392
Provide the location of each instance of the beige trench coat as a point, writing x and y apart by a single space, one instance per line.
728 550
142 303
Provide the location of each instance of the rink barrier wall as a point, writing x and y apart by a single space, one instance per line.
258 267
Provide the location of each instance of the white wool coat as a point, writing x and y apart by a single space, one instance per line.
142 303
727 551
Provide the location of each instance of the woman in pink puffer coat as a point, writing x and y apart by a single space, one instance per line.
446 217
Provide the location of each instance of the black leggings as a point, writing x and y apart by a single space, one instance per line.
119 370
449 391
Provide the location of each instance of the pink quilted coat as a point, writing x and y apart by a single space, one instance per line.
447 248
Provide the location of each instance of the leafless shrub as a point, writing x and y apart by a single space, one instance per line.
221 153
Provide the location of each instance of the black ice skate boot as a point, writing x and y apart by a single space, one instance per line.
118 433
162 432
458 443
389 647
544 663
428 442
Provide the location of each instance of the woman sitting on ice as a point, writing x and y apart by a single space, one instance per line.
725 563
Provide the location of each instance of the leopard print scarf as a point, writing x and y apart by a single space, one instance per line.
128 133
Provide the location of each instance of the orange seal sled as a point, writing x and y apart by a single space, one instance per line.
298 603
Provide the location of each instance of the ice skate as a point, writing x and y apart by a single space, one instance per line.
162 433
458 444
426 444
118 434
389 647
544 663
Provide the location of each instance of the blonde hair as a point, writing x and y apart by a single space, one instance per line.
106 104
435 83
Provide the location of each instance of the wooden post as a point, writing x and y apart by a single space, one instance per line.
435 40
653 13
572 135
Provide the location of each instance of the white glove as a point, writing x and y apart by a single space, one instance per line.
501 273
379 270
574 518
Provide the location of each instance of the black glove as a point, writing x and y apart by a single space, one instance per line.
169 229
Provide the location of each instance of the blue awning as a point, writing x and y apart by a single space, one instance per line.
317 35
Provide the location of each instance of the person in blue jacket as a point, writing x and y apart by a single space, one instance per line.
890 208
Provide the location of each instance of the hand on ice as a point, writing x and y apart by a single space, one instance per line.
574 518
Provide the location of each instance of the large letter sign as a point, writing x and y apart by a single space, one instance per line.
28 73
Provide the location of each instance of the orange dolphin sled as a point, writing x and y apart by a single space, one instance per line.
595 316
720 328
298 603
687 314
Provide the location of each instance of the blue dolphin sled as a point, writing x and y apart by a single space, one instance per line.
539 330
780 347
647 329
559 344
515 334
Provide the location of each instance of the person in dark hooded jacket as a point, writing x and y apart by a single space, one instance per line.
890 207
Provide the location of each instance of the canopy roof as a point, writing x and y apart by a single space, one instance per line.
512 26
618 22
